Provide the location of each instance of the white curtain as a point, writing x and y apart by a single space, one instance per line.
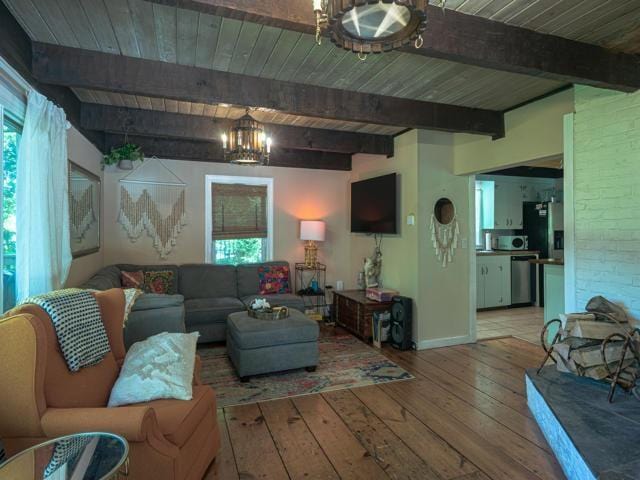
1 215
43 255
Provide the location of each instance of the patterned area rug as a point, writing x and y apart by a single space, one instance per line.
345 362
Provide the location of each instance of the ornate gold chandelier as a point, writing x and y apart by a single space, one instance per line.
371 26
247 142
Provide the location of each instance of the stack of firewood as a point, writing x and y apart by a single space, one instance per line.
600 343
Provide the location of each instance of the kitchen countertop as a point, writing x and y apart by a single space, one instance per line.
511 253
547 261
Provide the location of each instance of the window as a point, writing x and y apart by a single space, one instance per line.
479 241
10 138
484 209
239 219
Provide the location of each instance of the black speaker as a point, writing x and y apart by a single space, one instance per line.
401 314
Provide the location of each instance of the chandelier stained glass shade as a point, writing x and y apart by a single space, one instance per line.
247 142
376 26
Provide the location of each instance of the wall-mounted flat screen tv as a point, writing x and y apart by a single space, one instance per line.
373 205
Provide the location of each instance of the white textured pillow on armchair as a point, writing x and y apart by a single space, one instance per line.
158 367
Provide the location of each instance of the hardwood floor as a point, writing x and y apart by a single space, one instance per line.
464 417
523 322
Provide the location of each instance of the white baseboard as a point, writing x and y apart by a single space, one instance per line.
444 342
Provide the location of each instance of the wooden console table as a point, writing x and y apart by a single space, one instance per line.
354 311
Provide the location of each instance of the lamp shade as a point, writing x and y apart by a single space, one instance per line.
312 230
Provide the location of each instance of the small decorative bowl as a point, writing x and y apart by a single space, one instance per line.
274 313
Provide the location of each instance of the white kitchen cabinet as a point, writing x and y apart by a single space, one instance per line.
508 198
480 269
529 192
493 281
502 198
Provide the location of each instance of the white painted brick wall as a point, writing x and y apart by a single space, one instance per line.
607 196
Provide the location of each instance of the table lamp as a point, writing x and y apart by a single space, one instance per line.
311 231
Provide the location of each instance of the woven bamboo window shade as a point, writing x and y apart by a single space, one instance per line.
239 211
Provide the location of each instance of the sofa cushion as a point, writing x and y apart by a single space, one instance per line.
274 279
210 310
248 280
173 288
208 281
178 420
278 300
161 366
152 301
159 281
248 332
143 324
104 279
133 279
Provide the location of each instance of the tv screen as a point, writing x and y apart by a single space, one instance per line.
373 205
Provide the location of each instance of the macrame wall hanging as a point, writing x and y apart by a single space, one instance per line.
152 203
444 231
81 206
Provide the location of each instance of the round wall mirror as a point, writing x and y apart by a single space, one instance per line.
444 211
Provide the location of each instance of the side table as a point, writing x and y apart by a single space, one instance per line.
86 456
313 298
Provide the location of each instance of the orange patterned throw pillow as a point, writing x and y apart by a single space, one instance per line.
132 279
274 279
158 282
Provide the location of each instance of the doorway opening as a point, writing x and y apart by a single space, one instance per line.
519 240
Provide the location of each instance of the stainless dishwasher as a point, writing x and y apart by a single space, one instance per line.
522 280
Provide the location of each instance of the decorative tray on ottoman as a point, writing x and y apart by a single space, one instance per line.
274 313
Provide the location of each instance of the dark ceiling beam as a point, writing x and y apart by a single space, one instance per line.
531 172
201 151
102 71
462 38
194 127
16 49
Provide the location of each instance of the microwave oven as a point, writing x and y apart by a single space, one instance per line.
513 242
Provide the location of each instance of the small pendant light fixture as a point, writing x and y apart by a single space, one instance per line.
371 26
247 142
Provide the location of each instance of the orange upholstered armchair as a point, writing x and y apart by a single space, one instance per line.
41 399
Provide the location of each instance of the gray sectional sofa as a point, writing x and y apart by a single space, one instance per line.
200 299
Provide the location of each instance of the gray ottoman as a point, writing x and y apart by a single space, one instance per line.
264 346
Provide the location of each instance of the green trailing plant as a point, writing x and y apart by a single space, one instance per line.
128 151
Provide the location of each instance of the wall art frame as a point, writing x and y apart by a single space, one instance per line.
85 204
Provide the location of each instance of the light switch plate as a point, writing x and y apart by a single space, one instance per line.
411 219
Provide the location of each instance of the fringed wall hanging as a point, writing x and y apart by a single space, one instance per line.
157 206
444 230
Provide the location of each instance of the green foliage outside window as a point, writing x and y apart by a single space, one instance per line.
235 252
10 159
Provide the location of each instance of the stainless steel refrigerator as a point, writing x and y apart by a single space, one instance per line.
543 223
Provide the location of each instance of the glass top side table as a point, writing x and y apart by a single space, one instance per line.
82 456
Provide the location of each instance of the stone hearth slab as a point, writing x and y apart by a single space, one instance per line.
591 438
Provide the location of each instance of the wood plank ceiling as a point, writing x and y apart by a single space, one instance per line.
157 32
609 23
190 37
225 111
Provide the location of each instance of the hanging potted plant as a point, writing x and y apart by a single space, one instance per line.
123 156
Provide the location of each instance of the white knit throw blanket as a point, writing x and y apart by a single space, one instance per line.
76 318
